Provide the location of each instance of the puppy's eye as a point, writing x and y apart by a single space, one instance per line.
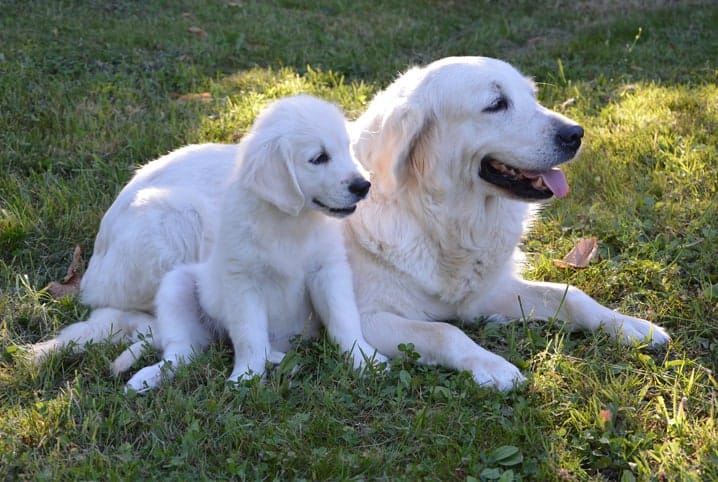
321 158
499 105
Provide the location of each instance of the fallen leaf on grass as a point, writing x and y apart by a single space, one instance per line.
70 284
581 254
197 32
605 416
196 97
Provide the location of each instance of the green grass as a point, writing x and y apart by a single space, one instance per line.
89 90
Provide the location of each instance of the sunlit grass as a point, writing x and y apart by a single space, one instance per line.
234 101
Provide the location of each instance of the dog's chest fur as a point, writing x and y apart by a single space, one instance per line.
456 263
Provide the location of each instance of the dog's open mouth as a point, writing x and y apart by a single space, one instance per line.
339 212
522 183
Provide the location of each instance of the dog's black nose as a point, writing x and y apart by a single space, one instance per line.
359 187
569 137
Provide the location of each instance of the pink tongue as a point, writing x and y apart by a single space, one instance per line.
555 181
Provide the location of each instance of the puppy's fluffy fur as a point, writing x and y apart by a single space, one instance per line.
459 150
278 255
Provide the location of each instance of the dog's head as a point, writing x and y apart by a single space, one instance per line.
471 120
297 156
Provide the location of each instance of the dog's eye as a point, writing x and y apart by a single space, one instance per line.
321 158
499 104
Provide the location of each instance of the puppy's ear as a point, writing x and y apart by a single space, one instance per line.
392 153
269 174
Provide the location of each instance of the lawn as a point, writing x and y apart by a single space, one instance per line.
89 90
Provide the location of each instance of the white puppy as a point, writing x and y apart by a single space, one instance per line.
278 254
458 152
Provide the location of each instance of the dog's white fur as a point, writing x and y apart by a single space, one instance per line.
434 241
278 264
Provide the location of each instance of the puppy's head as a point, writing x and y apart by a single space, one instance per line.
297 156
469 121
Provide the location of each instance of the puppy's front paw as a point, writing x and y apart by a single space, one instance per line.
494 372
630 330
363 354
147 378
276 357
244 371
235 378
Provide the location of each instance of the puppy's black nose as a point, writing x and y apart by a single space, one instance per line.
359 187
569 137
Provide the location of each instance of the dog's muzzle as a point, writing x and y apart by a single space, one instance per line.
535 185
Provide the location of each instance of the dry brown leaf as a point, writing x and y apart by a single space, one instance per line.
605 416
197 32
196 97
581 254
70 284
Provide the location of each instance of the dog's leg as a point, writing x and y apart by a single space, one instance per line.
543 300
128 357
247 323
440 343
142 337
179 331
332 294
103 324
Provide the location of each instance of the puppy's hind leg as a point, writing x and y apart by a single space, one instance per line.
128 357
179 331
103 324
142 337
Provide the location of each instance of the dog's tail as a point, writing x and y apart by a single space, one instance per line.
108 324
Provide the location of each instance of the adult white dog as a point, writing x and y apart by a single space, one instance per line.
279 255
458 150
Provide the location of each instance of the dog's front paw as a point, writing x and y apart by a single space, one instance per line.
495 372
630 330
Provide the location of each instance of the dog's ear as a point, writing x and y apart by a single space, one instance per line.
268 172
391 151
